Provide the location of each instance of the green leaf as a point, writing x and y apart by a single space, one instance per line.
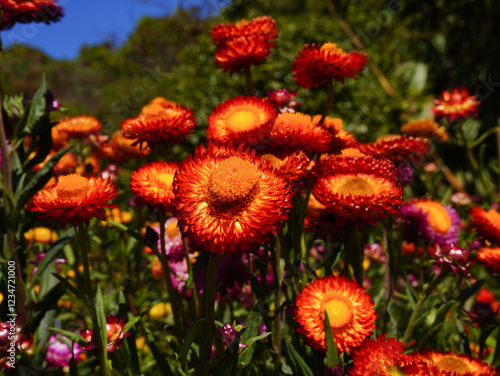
52 253
101 321
70 335
133 234
190 336
131 323
162 364
35 110
332 355
252 326
298 363
69 286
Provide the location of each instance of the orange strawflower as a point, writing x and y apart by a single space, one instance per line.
25 11
427 128
397 148
77 126
65 166
241 120
228 201
383 357
74 199
490 258
161 126
358 188
448 364
152 184
119 149
156 103
458 104
341 138
243 44
118 216
486 223
41 235
292 165
317 64
296 131
349 307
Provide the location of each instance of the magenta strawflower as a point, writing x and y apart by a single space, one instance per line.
61 350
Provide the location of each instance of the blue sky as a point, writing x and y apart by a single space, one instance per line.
90 22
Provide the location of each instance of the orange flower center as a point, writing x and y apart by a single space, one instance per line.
241 23
165 180
451 363
242 120
72 187
438 217
339 311
232 184
356 186
351 152
387 137
332 48
172 230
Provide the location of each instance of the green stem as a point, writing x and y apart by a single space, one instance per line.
173 294
498 155
353 256
190 271
329 100
472 159
276 257
414 316
249 81
101 346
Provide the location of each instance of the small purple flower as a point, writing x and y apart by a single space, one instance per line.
39 259
404 173
59 351
228 334
374 252
173 240
452 256
179 276
334 371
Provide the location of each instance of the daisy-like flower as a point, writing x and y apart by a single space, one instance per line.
449 364
66 164
397 148
427 128
243 44
490 258
242 121
358 189
349 307
77 126
296 131
41 235
317 64
228 201
264 26
161 126
119 149
291 165
156 103
74 199
383 357
431 221
26 11
114 334
458 104
152 184
341 138
486 223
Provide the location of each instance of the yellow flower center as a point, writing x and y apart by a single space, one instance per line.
339 311
332 48
275 161
438 217
72 187
241 23
232 184
242 120
451 363
172 230
356 186
395 371
165 180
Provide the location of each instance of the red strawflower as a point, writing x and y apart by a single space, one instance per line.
114 334
486 223
317 64
458 104
25 11
74 199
